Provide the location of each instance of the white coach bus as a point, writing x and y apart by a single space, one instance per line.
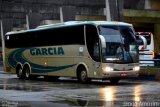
85 50
147 53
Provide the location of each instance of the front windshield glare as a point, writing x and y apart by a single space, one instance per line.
120 44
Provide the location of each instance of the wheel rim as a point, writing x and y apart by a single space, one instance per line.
20 72
83 75
27 73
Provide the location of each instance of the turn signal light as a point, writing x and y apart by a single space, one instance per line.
153 54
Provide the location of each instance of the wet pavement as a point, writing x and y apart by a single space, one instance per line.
69 93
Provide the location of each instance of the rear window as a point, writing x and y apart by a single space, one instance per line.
146 35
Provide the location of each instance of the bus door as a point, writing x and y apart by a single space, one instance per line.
93 47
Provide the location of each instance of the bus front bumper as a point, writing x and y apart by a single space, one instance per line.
120 74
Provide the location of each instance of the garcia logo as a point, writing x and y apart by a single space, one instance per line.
47 51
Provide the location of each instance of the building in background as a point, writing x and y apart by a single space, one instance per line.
145 16
23 14
50 11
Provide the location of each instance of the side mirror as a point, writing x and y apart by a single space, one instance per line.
103 41
144 42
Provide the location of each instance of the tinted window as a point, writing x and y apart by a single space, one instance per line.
148 38
48 37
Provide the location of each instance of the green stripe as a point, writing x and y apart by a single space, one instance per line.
17 56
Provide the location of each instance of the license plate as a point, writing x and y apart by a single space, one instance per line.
124 74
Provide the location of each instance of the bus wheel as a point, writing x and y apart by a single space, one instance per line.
82 75
114 81
26 71
19 72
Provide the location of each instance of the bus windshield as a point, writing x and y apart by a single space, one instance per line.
121 44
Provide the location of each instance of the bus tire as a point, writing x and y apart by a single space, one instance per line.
19 72
114 81
26 71
82 75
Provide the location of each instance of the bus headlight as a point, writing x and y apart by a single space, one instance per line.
107 69
136 68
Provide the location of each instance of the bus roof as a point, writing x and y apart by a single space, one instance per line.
71 23
86 22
